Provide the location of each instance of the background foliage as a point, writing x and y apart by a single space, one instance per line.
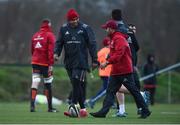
157 23
15 83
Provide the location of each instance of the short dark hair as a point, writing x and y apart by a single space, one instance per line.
130 24
116 14
46 20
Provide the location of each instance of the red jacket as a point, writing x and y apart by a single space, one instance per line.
43 47
120 55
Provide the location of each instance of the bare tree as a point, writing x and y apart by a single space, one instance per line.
156 21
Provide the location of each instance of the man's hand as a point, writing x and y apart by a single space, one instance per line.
94 65
107 56
103 65
135 69
50 68
56 57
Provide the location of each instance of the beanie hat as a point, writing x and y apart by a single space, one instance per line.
72 14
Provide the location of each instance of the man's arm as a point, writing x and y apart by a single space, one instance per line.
92 46
119 52
135 42
59 45
115 57
51 43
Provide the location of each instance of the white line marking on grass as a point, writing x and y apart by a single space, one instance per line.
170 113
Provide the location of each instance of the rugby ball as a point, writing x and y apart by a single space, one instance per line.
73 110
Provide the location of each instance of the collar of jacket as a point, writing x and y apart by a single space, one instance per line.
46 28
117 32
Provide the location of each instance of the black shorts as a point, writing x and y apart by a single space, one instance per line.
79 74
42 70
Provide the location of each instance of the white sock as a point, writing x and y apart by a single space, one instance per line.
121 108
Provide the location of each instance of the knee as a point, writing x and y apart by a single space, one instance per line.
36 79
48 80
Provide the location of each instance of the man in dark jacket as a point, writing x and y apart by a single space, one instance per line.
121 73
151 83
134 46
76 38
116 15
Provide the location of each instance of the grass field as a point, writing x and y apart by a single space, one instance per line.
19 113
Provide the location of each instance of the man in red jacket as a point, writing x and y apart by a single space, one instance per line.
121 72
42 49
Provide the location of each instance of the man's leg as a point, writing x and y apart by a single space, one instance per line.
83 86
78 97
77 77
75 90
36 79
130 85
47 73
137 83
100 93
48 94
82 99
114 85
82 90
104 87
145 95
121 103
75 94
123 89
152 93
136 79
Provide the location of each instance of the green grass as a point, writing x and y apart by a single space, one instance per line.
19 113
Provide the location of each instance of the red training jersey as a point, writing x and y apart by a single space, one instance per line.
42 47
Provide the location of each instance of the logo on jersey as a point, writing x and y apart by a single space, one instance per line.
67 33
38 38
80 31
73 38
129 40
38 45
